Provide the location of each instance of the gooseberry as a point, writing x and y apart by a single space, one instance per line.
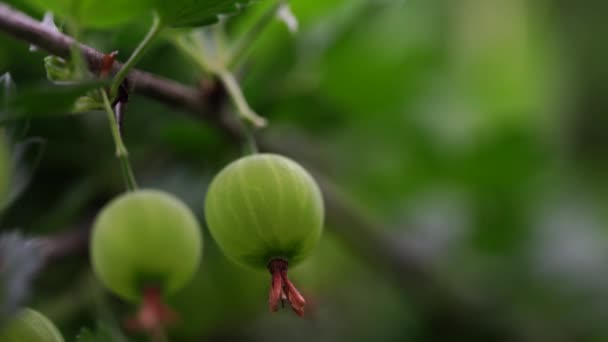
31 326
266 211
146 244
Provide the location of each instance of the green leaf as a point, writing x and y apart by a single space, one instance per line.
46 100
26 158
109 13
7 91
191 13
97 13
58 69
7 87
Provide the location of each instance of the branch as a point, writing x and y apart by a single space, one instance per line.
448 310
169 92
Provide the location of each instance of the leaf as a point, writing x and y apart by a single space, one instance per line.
46 100
7 87
58 69
97 13
191 13
20 259
109 13
26 158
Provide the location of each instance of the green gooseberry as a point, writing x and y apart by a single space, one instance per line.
146 244
266 211
31 326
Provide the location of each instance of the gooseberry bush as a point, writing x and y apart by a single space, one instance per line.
263 210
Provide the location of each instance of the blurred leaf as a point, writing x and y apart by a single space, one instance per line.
109 13
190 13
26 157
87 103
58 69
8 87
94 13
19 261
47 100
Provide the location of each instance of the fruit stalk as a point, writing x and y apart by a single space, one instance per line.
283 289
154 31
121 151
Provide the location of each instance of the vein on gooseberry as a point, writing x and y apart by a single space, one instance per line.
279 223
248 204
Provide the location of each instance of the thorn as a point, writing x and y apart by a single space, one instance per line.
107 62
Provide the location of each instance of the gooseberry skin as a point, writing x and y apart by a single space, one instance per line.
264 207
31 326
143 239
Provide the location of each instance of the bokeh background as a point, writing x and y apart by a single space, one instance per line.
467 137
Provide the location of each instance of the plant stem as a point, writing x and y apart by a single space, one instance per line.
242 46
155 29
235 92
193 52
219 39
121 151
251 146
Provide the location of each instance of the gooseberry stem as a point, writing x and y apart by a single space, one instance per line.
242 46
155 29
282 289
252 146
192 47
235 92
121 151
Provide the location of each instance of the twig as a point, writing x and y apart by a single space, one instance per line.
155 29
243 45
121 151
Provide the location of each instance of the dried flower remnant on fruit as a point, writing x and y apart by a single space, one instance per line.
282 288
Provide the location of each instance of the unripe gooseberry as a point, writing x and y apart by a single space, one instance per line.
31 326
146 244
266 211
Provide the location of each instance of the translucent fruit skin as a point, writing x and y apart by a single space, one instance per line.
262 207
145 238
31 326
